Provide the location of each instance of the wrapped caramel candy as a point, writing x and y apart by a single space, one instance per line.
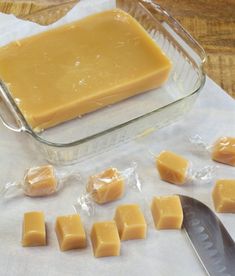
40 181
222 150
107 186
175 169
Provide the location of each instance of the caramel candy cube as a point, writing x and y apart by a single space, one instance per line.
34 230
224 151
167 212
107 186
105 239
224 196
40 181
172 167
122 61
70 232
130 222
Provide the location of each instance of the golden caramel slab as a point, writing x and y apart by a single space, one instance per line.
64 73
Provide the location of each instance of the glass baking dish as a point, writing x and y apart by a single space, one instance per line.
101 130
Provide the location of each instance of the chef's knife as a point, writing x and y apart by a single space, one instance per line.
212 243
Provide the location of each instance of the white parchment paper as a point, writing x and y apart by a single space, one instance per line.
163 253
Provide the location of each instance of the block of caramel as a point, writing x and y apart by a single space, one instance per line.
167 212
130 222
224 196
106 186
105 239
172 167
223 151
34 230
40 181
70 232
78 68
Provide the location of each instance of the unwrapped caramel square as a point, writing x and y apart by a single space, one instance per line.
224 151
130 222
70 232
34 230
167 212
224 196
105 239
106 186
172 167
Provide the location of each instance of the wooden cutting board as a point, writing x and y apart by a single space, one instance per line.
41 11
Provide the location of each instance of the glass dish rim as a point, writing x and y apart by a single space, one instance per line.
25 127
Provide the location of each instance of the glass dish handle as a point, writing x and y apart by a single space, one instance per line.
9 126
8 111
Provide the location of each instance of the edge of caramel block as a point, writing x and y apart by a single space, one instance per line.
153 207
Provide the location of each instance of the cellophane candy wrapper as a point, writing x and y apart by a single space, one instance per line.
199 144
222 150
41 181
176 169
107 190
201 176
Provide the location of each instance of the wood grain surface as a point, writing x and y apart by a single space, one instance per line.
212 24
43 12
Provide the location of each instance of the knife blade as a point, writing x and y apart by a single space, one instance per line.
211 241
